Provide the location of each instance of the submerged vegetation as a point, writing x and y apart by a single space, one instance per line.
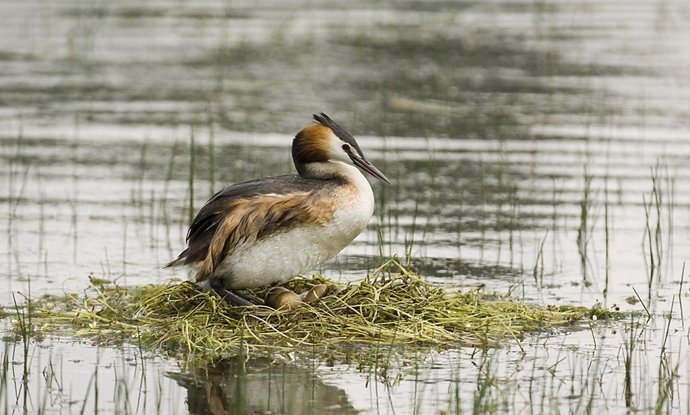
392 306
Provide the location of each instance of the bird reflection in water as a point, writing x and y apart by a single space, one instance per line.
260 387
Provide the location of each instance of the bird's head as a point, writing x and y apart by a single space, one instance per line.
326 141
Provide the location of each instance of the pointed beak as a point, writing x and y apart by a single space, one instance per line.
365 165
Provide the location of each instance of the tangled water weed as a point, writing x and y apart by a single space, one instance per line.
393 305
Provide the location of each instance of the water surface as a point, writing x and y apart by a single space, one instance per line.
537 148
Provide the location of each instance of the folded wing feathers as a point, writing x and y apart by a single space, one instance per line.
225 225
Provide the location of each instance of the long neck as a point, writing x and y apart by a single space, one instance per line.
326 170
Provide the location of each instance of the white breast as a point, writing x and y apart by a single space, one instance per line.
285 255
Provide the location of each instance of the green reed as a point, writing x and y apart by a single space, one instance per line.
658 233
538 269
584 229
211 150
607 238
190 180
74 195
164 210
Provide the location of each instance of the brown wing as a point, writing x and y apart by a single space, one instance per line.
246 213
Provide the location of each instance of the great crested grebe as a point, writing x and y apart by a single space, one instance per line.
270 230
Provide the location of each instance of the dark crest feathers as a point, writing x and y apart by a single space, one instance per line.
325 120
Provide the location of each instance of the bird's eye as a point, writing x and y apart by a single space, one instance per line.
346 148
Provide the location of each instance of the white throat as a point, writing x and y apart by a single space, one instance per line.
354 177
333 168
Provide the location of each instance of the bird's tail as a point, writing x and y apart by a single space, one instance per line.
181 260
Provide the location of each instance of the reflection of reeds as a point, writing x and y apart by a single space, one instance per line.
630 344
93 383
637 391
4 381
23 329
668 373
483 399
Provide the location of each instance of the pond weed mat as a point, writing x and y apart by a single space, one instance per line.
392 306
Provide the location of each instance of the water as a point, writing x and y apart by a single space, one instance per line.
516 135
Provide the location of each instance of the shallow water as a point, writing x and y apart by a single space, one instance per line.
538 148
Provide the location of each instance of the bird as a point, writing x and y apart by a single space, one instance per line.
267 231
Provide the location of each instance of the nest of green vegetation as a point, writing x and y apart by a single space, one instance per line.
391 307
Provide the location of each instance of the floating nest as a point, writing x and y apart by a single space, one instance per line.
392 307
